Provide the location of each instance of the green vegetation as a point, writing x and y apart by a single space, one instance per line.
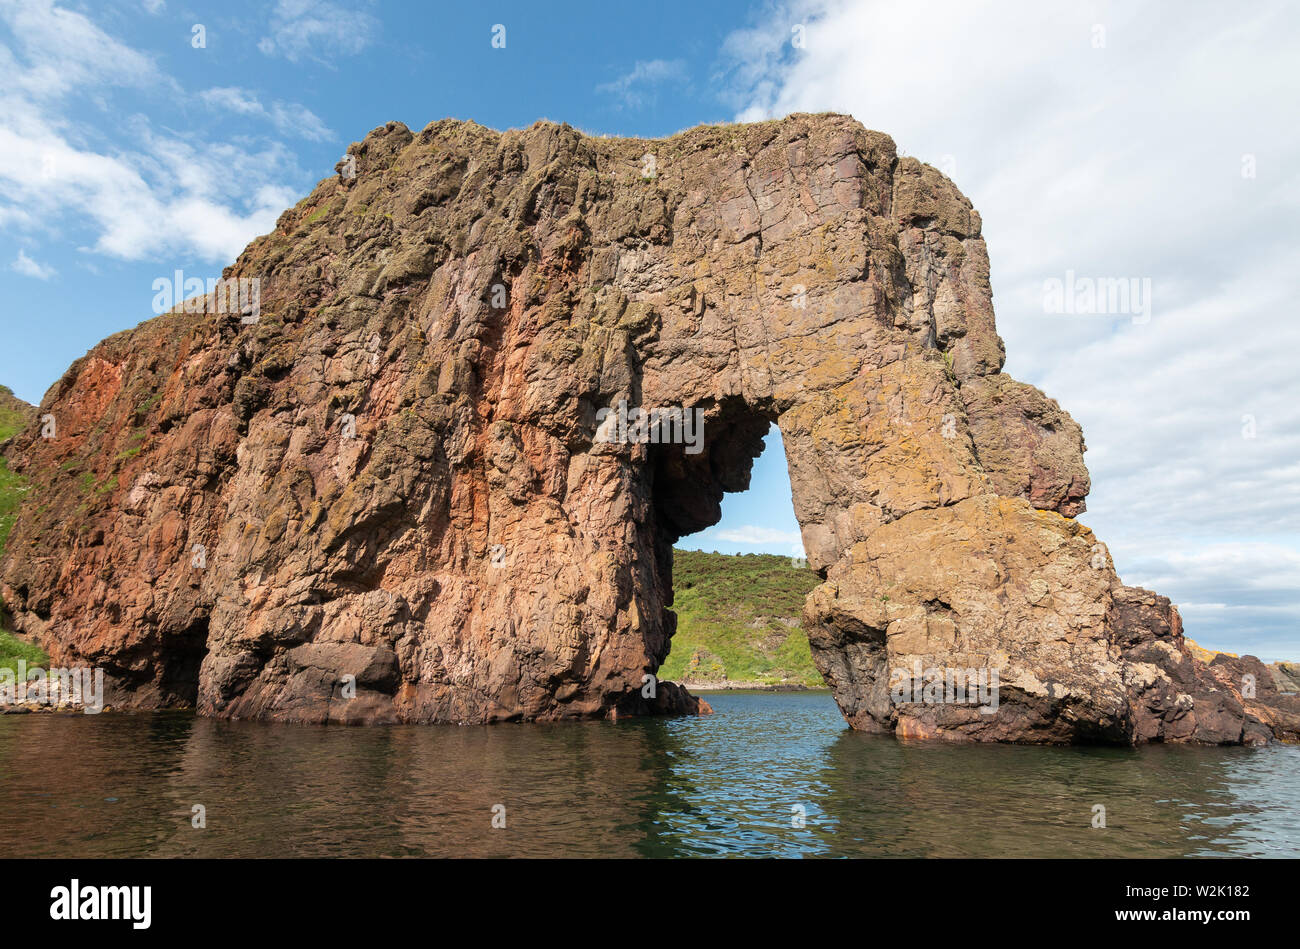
11 417
739 619
11 486
320 212
12 649
12 489
144 408
135 444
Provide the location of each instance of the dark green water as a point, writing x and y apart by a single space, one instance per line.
727 784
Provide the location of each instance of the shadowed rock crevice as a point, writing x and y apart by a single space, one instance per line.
180 665
407 514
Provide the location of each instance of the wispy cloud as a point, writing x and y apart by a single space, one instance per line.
318 30
289 117
636 89
31 268
752 534
142 190
63 50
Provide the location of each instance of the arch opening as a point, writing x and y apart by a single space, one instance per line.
736 575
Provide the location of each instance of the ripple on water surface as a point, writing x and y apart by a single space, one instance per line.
770 774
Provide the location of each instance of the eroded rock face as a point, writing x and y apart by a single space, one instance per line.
393 478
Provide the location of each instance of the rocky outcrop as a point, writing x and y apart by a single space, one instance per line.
391 494
1286 676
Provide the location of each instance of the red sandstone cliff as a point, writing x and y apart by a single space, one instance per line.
384 500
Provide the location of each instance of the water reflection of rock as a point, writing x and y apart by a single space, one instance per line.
90 785
585 789
893 798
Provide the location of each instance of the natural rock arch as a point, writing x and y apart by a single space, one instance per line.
395 480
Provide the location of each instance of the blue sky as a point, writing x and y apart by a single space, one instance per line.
1148 141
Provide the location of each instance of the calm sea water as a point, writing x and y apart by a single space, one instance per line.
734 783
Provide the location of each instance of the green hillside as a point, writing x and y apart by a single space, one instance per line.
739 621
13 416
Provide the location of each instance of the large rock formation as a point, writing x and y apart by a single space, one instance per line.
394 477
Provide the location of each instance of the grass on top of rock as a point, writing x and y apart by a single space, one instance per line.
739 619
12 489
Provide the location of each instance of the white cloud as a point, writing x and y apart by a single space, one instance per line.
1122 160
64 50
636 88
318 30
751 534
154 6
31 268
289 117
144 192
173 195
